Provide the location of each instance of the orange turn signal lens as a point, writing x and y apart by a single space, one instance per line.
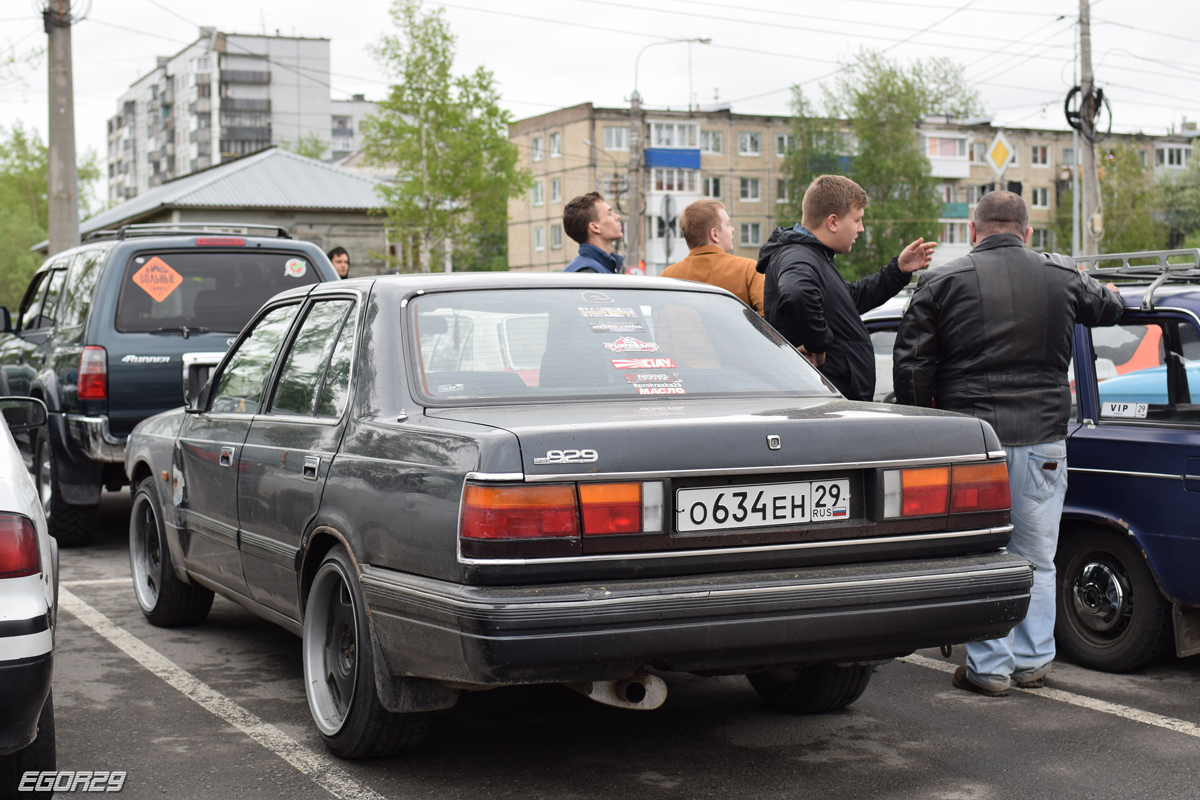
611 507
519 512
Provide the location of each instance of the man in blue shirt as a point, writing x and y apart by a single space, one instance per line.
595 226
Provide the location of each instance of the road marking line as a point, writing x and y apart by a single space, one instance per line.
322 769
97 582
1103 706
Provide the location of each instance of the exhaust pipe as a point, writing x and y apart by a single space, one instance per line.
641 691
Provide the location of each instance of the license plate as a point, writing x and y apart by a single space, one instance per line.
763 505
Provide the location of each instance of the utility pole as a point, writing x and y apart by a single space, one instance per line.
633 228
1090 219
63 180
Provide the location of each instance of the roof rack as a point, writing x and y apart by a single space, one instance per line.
1160 272
159 228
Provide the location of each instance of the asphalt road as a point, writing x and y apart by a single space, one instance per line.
218 711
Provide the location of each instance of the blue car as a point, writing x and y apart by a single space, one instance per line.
1129 548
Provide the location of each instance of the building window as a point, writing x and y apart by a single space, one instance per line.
972 194
751 190
954 233
1039 155
556 237
712 187
1041 239
946 192
1040 198
538 195
1144 155
674 134
674 180
712 142
751 234
1068 156
556 190
782 195
555 144
616 138
945 147
1175 157
749 143
536 148
784 144
539 238
979 152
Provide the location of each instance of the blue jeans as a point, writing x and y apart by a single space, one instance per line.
1037 477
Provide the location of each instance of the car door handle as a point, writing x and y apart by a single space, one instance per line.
226 459
311 465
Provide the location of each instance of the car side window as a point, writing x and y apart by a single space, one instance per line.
300 379
40 315
336 387
31 306
81 285
240 387
1144 372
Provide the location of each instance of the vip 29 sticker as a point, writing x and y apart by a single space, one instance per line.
1121 410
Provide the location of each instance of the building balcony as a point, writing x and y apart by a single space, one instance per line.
245 104
345 132
244 76
959 167
955 211
246 133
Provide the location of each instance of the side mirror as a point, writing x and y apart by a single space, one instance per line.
23 413
5 320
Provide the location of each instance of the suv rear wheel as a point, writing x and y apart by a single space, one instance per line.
811 690
71 525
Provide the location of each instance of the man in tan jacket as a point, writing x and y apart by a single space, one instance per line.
709 235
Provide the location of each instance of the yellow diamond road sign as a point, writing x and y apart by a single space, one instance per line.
1000 154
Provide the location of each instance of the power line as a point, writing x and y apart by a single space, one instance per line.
931 27
1145 30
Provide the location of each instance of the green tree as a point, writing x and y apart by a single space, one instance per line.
309 146
447 138
821 148
883 102
1128 197
1179 200
24 205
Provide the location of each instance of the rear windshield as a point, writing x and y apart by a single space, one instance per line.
205 289
565 343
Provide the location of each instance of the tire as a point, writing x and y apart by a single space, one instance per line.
40 756
71 525
339 669
166 601
811 690
1110 614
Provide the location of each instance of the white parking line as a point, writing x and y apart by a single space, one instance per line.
1104 707
97 582
320 768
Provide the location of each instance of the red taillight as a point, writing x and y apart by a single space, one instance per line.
924 491
93 374
18 547
979 487
611 507
519 512
220 241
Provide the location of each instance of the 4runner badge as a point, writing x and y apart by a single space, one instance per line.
568 457
132 359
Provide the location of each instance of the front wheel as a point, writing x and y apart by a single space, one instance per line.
71 525
811 690
166 601
339 669
1110 614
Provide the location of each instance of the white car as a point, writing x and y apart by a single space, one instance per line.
28 607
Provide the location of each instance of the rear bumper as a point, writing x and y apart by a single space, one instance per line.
24 687
735 622
94 439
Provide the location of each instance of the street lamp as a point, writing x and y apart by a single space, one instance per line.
698 39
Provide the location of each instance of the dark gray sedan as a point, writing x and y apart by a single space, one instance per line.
448 483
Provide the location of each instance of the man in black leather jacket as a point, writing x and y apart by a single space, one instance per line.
989 335
817 310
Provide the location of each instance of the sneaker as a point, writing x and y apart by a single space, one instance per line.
961 681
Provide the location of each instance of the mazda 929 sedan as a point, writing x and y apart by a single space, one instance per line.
448 483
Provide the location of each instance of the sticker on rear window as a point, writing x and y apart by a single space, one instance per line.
628 344
617 327
643 363
596 297
295 267
1123 410
450 387
608 312
157 279
656 382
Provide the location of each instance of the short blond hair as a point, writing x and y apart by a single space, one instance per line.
698 219
831 194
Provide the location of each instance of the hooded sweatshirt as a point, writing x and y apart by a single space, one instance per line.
806 300
593 259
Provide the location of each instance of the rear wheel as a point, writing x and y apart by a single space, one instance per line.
40 756
166 601
71 525
811 690
1110 614
339 669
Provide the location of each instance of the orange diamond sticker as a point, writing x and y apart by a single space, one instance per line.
157 279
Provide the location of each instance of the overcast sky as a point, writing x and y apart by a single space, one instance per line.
549 54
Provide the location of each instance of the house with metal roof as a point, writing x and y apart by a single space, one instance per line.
314 200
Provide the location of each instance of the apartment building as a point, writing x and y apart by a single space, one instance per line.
740 160
221 97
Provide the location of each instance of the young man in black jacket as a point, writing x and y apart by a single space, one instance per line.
816 309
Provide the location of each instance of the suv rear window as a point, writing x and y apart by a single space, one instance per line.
205 289
565 343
